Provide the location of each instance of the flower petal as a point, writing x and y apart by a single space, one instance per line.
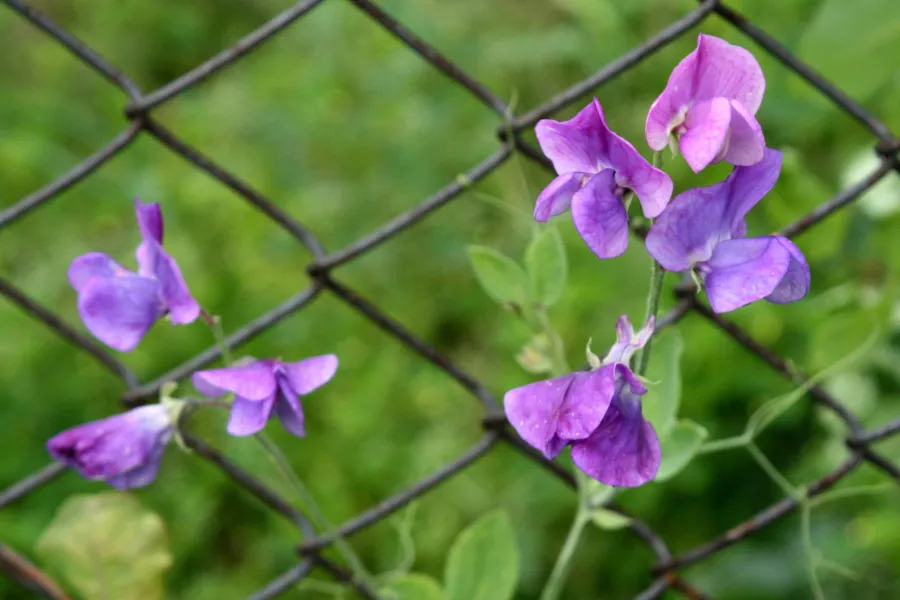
745 270
150 221
556 197
746 144
289 410
728 71
533 411
141 475
311 373
119 311
253 382
585 403
182 307
600 216
669 109
115 445
249 416
628 341
652 186
707 127
687 232
795 283
624 451
94 264
578 144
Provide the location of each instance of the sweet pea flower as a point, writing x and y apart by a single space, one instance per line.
119 306
703 229
597 413
596 167
264 385
709 105
124 450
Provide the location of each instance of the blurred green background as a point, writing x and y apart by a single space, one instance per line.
344 128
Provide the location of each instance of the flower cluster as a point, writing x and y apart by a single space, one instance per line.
119 307
707 112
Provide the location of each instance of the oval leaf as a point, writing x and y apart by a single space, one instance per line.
608 519
499 276
545 259
663 399
483 563
108 546
412 586
679 446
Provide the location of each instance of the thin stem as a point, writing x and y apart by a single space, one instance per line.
564 561
312 510
809 552
849 492
780 480
730 443
657 274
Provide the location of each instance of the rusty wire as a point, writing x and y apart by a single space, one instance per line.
138 112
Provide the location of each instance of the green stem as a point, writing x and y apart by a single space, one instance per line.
657 274
564 561
215 323
780 480
809 552
312 510
724 444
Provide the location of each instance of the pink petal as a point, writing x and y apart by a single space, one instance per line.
577 144
707 127
585 403
150 221
119 311
94 264
728 71
795 283
533 411
746 143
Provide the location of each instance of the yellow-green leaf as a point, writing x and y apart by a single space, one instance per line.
108 546
483 563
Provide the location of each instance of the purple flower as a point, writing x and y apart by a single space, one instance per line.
266 384
124 450
595 168
597 413
119 306
709 105
704 229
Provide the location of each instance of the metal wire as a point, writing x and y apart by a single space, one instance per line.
138 111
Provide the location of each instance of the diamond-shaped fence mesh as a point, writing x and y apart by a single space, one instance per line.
664 574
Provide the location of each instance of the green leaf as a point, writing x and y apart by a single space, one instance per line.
545 259
608 519
871 60
663 399
483 563
108 546
679 446
413 586
499 276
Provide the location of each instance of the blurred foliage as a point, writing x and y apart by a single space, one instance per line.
345 128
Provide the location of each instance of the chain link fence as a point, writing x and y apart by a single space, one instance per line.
665 573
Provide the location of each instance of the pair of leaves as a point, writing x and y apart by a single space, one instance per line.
108 546
542 280
483 564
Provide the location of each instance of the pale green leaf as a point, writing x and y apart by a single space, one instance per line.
483 563
679 446
545 259
662 400
108 546
412 586
500 277
608 519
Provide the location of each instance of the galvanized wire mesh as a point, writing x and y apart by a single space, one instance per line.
139 112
